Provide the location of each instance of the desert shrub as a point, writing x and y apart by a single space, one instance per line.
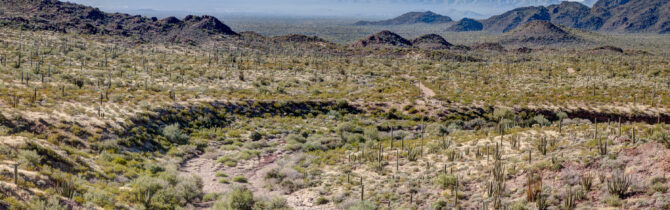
453 127
288 186
153 168
330 142
189 188
362 205
659 187
227 161
413 154
52 203
255 136
356 138
277 203
440 204
4 131
293 138
313 146
446 181
220 174
321 200
540 120
165 198
348 128
663 138
144 187
474 123
210 197
99 197
174 134
294 142
613 200
240 179
240 198
371 133
29 158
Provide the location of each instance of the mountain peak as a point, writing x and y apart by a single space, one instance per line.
432 42
427 17
466 24
383 38
539 32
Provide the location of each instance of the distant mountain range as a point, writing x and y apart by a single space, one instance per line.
630 16
410 18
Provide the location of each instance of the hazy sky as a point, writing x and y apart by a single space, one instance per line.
324 8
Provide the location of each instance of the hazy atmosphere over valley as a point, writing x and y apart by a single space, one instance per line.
334 104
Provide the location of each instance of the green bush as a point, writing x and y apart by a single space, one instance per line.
540 120
240 198
174 134
321 201
439 205
293 138
255 136
446 182
29 158
210 197
362 205
240 179
613 200
660 187
53 203
221 174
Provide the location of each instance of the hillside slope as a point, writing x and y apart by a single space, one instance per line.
68 17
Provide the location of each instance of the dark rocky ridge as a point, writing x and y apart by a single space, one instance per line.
538 32
630 16
511 19
431 42
466 24
410 18
383 38
59 16
570 14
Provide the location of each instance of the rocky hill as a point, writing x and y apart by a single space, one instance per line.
59 16
410 18
538 32
630 16
431 42
511 19
633 15
570 14
466 24
383 38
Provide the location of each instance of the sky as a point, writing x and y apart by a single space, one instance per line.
313 8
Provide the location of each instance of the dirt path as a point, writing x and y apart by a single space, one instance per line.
205 166
427 92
